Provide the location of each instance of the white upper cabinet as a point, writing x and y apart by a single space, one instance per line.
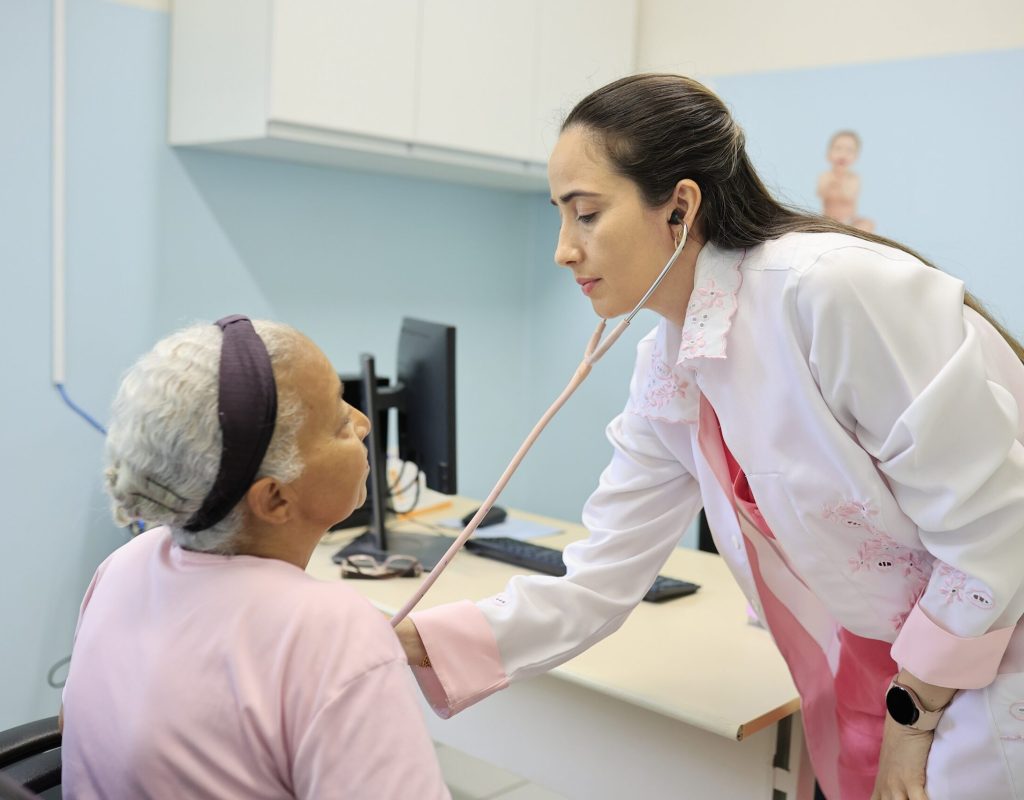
464 90
581 46
353 71
220 70
476 76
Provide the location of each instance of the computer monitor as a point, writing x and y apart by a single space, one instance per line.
426 420
424 398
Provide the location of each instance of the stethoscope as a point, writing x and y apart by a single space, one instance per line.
595 350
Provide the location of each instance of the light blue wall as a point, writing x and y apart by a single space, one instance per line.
158 238
343 256
56 528
942 165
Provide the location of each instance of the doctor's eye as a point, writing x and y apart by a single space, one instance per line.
586 219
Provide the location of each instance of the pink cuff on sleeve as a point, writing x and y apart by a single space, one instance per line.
939 657
465 662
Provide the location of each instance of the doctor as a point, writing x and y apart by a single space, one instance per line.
850 421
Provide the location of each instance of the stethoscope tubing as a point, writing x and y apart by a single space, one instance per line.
595 350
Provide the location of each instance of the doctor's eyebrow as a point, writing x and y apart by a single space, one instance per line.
565 198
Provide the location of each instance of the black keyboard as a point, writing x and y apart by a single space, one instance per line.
548 561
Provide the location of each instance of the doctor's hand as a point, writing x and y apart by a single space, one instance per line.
902 763
409 638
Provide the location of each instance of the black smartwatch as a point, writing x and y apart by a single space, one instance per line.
905 707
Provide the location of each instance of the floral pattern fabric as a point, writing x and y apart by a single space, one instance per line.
710 310
669 392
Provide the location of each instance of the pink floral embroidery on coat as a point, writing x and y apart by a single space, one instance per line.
916 589
880 553
953 583
662 386
959 587
709 313
692 343
853 514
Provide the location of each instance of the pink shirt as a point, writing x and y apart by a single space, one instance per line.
198 675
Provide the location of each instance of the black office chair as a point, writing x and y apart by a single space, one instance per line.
30 761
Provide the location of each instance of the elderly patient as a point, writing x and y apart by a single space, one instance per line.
207 663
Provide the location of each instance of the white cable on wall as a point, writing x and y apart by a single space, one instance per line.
58 207
58 193
58 204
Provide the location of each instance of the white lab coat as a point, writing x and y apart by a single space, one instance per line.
878 422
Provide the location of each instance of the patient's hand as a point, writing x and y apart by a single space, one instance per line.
409 638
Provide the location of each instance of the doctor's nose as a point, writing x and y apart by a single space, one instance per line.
566 252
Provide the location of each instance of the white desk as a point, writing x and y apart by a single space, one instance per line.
685 700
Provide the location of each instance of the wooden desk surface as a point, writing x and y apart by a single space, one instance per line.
696 659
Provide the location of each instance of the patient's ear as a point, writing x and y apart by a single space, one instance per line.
270 501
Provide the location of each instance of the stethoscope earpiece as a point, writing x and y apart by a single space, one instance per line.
675 219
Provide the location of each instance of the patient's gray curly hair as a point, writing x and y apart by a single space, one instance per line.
164 441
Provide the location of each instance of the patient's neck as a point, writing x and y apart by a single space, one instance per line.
290 543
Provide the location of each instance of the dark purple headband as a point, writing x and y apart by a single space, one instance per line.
247 408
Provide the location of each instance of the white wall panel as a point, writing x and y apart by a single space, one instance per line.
740 36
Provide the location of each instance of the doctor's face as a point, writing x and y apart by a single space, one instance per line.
614 243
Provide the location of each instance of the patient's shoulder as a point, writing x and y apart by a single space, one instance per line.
329 620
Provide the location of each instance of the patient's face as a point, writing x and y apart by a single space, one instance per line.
333 481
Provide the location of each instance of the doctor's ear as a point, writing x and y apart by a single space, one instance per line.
686 198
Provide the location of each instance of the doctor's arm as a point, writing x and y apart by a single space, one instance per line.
932 393
644 502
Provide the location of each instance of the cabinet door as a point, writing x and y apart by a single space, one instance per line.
346 65
477 76
582 46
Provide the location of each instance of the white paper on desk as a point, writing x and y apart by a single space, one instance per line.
513 528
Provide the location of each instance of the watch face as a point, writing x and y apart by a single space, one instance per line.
901 706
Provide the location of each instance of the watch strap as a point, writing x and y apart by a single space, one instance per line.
927 720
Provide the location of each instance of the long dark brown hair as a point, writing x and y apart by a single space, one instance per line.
657 129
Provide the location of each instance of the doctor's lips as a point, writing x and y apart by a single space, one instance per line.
587 284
